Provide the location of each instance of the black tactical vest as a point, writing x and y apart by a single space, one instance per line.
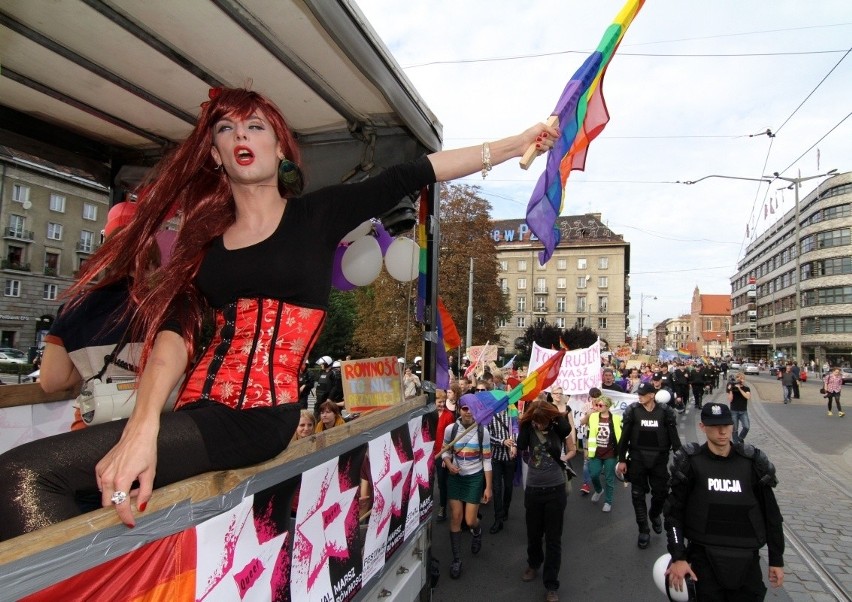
649 432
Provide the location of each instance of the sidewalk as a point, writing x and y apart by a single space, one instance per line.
813 456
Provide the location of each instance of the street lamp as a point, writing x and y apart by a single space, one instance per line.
642 297
796 183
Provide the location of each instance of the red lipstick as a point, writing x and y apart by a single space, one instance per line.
243 155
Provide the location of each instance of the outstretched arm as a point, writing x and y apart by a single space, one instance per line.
460 162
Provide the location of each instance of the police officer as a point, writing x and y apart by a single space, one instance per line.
323 386
306 383
335 392
722 504
649 431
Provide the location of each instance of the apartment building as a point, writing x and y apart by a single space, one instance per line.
52 218
585 283
793 287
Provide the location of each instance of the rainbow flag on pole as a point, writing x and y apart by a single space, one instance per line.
484 404
582 116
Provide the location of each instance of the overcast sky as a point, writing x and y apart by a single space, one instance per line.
692 86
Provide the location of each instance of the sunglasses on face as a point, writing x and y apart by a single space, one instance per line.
478 389
465 409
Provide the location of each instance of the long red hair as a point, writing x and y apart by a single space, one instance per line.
185 183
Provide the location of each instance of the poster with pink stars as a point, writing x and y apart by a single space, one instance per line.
244 553
326 540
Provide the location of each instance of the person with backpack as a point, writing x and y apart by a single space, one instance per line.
468 462
543 432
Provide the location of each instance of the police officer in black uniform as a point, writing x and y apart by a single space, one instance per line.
720 512
306 383
324 383
649 431
681 387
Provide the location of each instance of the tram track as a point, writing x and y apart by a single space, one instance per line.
780 439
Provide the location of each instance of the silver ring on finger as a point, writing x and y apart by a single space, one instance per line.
119 497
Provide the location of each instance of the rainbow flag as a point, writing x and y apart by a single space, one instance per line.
683 353
484 404
582 116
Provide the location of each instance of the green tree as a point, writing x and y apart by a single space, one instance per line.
385 316
336 338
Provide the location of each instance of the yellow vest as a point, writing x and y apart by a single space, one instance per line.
592 440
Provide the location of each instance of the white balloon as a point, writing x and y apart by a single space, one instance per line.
660 579
663 396
402 259
358 232
362 261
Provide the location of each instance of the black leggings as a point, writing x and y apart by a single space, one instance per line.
53 479
836 398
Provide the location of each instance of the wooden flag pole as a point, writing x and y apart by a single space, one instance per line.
532 151
453 442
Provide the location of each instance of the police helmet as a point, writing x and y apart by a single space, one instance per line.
661 582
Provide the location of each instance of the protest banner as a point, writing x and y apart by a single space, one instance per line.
371 384
580 371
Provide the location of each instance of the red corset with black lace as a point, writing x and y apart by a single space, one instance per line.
255 356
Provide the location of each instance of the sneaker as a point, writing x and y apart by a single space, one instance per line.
841 414
455 568
829 413
657 524
529 574
442 514
644 540
596 496
476 542
551 596
585 489
607 507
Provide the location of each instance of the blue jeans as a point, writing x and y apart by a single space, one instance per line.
740 419
788 391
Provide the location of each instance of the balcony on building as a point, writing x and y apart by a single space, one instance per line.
540 290
18 234
85 248
8 264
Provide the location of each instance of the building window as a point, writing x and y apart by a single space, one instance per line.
603 263
521 322
502 322
562 283
20 193
708 324
522 303
54 231
504 285
57 203
522 284
541 285
581 281
50 292
560 322
835 238
16 226
581 304
522 265
15 255
504 266
581 263
601 323
581 322
561 264
87 241
560 304
603 281
541 304
603 303
13 288
51 264
90 211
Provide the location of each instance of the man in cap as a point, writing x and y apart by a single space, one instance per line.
649 431
722 504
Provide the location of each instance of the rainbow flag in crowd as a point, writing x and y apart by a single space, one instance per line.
484 404
448 334
582 116
683 353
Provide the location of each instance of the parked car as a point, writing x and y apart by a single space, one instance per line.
846 373
15 356
734 366
750 369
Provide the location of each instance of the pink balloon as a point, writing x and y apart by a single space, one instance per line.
338 280
383 237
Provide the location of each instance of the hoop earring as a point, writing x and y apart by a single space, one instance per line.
290 176
218 167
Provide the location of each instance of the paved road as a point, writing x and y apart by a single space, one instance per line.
600 557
